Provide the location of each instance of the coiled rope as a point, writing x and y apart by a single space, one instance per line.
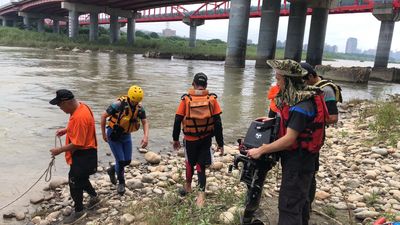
47 173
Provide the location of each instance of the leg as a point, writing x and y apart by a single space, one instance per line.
117 150
190 155
201 173
87 186
189 177
126 141
76 189
204 157
293 197
313 187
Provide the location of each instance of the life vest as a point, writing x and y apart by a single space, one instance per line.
336 88
312 138
272 93
198 120
127 117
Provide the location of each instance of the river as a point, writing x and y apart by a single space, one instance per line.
29 78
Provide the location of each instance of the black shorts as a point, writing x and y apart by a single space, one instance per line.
199 152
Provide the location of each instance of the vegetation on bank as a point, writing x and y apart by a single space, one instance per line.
175 210
384 119
143 42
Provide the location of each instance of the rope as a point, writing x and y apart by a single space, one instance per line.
47 173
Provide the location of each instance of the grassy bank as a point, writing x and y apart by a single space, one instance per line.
143 42
383 118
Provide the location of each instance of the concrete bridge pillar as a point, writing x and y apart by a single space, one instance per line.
386 14
27 22
114 29
131 31
73 23
316 39
56 26
40 25
94 27
3 21
295 31
193 23
237 33
268 32
319 21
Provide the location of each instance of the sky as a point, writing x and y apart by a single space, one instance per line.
363 26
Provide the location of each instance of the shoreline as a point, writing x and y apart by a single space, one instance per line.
357 176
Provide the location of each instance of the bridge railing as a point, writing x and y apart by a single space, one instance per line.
220 10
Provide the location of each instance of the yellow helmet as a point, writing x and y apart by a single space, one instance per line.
135 93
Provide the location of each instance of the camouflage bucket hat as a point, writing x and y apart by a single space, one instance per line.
287 67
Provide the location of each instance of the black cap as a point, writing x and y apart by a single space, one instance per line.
62 95
200 79
309 69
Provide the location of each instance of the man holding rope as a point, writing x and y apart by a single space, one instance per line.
80 151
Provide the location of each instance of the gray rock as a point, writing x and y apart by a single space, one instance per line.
152 157
36 199
20 216
57 182
226 217
365 214
134 184
53 216
36 220
147 178
368 161
127 219
340 205
380 151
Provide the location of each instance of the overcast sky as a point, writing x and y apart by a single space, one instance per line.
363 26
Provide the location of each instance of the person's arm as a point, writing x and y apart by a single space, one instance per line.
331 105
333 112
69 147
145 139
61 132
177 131
104 116
281 144
218 131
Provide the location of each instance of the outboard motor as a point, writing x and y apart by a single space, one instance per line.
254 171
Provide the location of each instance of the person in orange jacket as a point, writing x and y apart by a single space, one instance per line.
272 93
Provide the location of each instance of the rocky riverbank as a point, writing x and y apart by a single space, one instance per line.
358 181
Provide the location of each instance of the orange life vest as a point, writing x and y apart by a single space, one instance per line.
312 138
127 117
198 120
272 93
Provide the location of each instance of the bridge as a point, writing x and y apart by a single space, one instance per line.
77 13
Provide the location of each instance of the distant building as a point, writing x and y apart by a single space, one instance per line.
168 32
370 52
351 46
330 48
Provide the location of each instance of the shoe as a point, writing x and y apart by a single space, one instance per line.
111 174
93 202
121 189
74 217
